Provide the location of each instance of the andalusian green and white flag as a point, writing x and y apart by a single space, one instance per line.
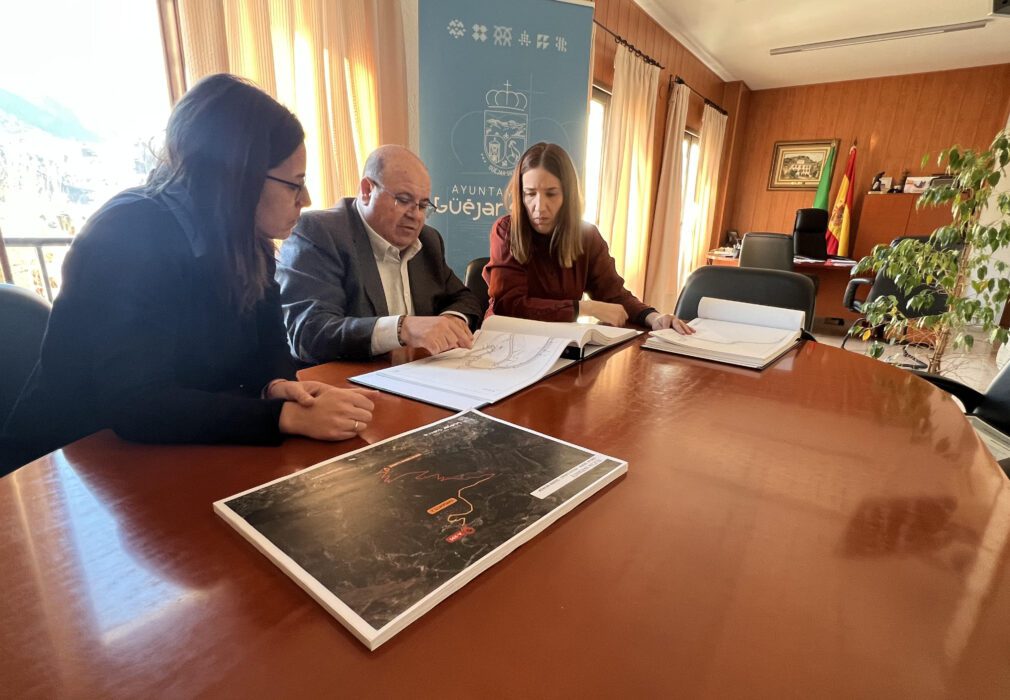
824 186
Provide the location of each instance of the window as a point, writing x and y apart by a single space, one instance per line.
598 107
80 119
689 212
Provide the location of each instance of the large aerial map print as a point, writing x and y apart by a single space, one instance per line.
381 535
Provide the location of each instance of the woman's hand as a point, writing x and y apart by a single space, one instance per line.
334 414
302 392
661 321
608 314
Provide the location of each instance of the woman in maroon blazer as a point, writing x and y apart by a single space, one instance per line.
544 258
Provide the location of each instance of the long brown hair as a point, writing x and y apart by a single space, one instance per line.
566 240
222 138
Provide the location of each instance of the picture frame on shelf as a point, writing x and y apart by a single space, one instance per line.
797 165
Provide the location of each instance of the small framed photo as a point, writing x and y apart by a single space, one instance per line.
797 165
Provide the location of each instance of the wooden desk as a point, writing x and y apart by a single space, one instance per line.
832 280
829 527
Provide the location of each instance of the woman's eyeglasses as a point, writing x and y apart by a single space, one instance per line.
297 188
424 207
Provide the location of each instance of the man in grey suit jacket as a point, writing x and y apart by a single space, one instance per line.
369 276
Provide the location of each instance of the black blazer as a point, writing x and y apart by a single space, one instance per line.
141 339
331 289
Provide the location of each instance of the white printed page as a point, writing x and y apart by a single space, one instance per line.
751 314
723 338
498 364
578 333
727 333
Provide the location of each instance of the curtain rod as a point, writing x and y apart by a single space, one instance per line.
709 102
631 47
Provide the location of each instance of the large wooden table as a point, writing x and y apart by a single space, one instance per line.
830 527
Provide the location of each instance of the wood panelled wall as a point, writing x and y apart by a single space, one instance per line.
895 119
627 19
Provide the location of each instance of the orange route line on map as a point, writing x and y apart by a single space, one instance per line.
457 517
422 474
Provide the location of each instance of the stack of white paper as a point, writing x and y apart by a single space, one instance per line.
748 335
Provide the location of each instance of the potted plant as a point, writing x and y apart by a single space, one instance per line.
956 263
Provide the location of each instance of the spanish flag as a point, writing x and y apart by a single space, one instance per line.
840 221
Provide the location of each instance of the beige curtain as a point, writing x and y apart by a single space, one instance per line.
693 250
626 187
339 66
662 282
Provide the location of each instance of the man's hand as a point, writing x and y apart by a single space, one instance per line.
435 333
608 314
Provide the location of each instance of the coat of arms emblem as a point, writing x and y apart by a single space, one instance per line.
506 125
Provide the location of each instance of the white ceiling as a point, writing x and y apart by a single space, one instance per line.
733 37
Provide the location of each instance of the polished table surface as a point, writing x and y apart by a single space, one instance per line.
829 527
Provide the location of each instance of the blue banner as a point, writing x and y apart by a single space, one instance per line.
495 78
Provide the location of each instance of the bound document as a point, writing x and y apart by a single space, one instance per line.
584 339
508 355
381 535
748 335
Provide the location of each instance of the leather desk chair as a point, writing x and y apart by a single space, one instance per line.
991 405
473 278
882 285
809 230
771 251
23 319
808 234
787 290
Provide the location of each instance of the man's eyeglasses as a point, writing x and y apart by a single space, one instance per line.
424 207
297 188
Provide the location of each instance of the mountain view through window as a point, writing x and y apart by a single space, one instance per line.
82 114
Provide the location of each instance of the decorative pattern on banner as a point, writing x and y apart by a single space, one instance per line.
495 78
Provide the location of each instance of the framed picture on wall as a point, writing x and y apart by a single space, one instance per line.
797 165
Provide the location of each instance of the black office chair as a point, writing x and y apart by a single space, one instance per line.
882 285
787 290
771 251
474 280
808 234
23 319
991 405
809 230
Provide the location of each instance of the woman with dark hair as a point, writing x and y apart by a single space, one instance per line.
544 258
168 324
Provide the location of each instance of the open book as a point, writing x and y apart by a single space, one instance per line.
508 354
584 339
748 335
381 535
